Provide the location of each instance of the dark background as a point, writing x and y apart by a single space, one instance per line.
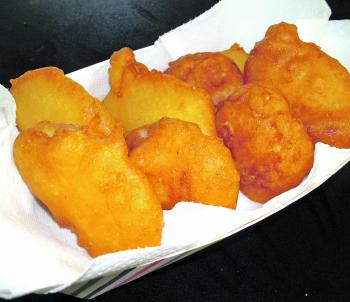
300 253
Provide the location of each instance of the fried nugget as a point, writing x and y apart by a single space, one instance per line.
214 72
271 148
316 85
183 164
84 177
139 96
46 94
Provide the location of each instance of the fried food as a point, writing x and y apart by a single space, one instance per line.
271 148
214 72
316 85
84 177
237 55
46 94
139 96
183 164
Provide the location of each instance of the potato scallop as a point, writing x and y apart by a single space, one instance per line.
237 55
183 164
139 96
46 94
84 177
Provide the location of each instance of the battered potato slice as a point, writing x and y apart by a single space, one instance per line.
46 94
214 72
139 96
183 164
84 177
236 54
316 85
271 148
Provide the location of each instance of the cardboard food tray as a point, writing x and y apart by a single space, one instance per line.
54 262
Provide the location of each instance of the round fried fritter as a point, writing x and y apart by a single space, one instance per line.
214 72
316 85
84 177
271 148
183 164
46 94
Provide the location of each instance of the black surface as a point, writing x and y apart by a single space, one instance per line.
300 253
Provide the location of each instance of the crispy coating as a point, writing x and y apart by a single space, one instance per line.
271 148
46 94
237 55
316 85
84 177
214 72
139 96
183 164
